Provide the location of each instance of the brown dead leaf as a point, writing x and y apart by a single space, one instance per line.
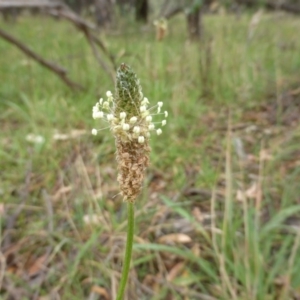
196 249
253 191
175 238
92 219
149 280
295 92
175 271
152 281
198 214
15 248
36 139
2 209
157 182
71 135
38 265
281 280
265 155
100 291
240 196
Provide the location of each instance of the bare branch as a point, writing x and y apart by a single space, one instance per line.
58 70
31 3
273 5
57 8
85 27
110 72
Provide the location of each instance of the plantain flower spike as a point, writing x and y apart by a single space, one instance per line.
131 120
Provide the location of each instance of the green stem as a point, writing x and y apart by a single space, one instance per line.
128 250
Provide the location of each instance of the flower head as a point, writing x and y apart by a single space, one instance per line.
130 118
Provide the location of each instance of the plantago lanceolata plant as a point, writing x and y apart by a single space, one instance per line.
130 118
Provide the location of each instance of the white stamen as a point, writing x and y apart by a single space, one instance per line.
126 126
109 117
145 113
145 101
133 120
123 115
98 114
143 108
123 125
136 129
141 139
108 94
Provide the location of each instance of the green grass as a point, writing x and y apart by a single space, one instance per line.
240 247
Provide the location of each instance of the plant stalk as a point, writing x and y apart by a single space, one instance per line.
128 250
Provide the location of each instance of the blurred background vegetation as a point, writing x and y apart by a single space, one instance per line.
219 217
